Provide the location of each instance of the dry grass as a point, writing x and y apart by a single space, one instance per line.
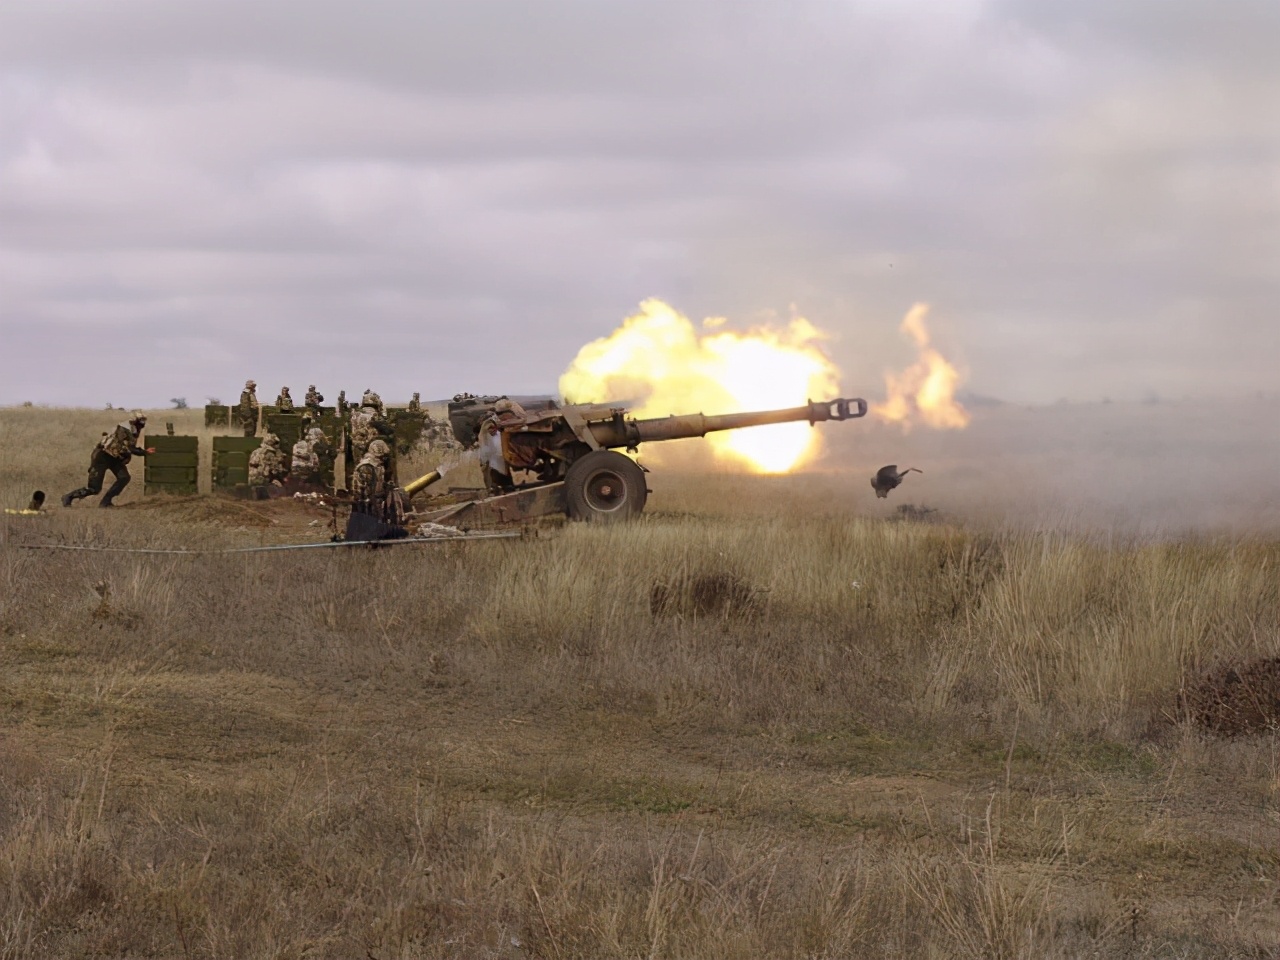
891 739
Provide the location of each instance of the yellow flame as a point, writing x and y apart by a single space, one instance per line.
659 362
926 389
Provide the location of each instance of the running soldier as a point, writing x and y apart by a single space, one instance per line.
113 453
267 465
247 409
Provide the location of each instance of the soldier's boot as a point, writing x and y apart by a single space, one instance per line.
122 481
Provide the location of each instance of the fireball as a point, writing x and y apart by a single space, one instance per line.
659 363
926 390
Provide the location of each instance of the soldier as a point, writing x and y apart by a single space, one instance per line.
113 453
371 399
313 400
247 409
343 406
267 465
373 488
367 424
284 402
493 464
306 461
415 405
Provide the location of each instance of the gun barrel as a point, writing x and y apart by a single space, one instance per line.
629 433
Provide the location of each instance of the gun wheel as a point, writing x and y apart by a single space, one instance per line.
604 487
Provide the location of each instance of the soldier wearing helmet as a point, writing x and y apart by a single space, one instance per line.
313 400
373 487
309 456
415 404
267 465
371 399
113 453
247 409
284 402
367 424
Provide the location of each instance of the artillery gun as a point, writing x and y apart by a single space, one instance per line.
566 460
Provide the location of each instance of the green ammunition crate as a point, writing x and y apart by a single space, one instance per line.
217 415
231 460
174 467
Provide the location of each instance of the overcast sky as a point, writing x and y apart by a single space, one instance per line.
456 196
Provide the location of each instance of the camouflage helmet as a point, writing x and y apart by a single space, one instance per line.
138 418
285 391
250 385
379 449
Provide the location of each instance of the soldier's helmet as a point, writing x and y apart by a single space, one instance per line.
417 395
311 386
315 433
379 449
285 391
250 385
138 418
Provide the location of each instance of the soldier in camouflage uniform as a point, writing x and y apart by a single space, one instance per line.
247 409
284 402
367 424
113 453
313 400
304 467
371 399
308 466
267 464
373 488
415 405
343 406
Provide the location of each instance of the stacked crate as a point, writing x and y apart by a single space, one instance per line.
174 467
231 460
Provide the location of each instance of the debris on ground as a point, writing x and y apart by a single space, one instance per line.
428 530
1236 699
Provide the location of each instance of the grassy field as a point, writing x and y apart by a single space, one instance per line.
764 721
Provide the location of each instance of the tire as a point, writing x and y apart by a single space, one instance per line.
604 487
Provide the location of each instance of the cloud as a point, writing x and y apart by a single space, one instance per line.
441 197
